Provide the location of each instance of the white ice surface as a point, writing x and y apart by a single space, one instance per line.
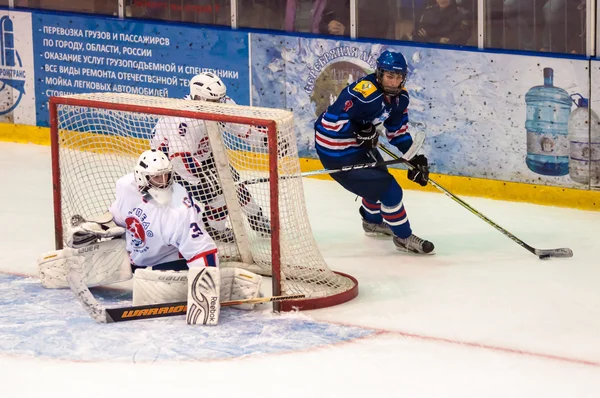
481 318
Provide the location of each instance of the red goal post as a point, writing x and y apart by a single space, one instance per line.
96 139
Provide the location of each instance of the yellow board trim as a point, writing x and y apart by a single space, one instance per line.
464 186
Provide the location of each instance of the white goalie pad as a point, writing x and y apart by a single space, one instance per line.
100 263
157 287
203 304
239 284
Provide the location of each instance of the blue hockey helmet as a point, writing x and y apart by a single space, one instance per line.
392 62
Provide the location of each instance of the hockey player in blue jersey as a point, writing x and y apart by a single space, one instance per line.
347 134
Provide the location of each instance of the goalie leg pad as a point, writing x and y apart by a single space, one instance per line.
101 263
157 287
203 304
239 284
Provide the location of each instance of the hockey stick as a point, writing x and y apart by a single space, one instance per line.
418 140
179 308
327 171
541 253
111 315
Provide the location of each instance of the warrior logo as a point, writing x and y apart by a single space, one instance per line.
12 74
136 232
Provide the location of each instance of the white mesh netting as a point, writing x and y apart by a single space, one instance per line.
98 145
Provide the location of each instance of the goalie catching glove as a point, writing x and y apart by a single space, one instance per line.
91 251
82 232
98 264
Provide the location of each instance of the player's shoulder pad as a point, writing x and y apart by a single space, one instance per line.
365 90
181 198
127 182
404 94
126 187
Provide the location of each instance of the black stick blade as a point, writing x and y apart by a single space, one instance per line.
145 312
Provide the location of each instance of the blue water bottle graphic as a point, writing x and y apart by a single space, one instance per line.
548 110
584 143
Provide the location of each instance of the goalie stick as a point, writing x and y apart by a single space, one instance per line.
121 314
418 140
541 253
179 308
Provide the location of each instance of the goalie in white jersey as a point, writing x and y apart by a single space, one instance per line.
164 237
186 143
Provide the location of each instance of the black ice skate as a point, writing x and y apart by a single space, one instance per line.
225 236
260 224
372 229
413 244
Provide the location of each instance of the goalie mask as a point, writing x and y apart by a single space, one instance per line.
154 176
207 87
393 65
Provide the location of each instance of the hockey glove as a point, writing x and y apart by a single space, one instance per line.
420 172
367 135
84 232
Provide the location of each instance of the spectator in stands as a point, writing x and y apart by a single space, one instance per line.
87 6
264 14
564 26
444 23
335 19
215 12
576 36
409 12
374 19
519 24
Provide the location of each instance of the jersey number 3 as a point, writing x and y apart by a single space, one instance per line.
195 230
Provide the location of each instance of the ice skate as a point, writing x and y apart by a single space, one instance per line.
372 229
413 244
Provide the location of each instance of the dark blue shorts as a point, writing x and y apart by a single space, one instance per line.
370 183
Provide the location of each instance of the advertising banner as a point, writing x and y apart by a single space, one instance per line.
80 54
494 116
17 94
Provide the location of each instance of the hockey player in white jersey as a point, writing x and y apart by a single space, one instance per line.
164 237
186 143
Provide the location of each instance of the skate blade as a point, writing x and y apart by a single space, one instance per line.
377 235
405 250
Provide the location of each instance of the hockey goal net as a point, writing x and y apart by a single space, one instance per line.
97 138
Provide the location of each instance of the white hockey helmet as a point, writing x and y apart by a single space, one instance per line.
154 175
207 87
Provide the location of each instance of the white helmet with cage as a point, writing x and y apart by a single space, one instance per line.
154 176
207 87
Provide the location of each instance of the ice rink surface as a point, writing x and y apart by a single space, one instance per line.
480 318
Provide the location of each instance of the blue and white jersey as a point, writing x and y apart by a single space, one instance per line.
360 104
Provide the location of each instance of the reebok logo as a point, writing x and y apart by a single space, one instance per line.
212 309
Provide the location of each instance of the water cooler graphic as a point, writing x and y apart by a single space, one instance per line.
584 143
548 110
